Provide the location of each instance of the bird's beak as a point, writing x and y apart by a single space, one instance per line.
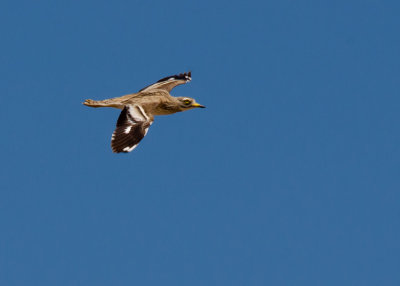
198 105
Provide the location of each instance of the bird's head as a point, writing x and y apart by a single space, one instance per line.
187 103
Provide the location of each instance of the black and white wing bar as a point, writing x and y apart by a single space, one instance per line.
169 82
132 125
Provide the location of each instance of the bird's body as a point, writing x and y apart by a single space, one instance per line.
139 109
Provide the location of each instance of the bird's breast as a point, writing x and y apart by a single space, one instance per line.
160 105
164 109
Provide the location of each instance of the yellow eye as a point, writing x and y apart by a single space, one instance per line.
186 101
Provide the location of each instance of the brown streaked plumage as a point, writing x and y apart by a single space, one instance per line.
139 109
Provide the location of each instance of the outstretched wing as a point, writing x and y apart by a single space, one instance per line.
169 82
132 125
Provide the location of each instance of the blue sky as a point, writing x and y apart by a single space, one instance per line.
289 177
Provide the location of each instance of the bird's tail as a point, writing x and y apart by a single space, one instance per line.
101 103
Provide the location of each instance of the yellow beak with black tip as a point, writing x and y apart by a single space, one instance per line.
198 105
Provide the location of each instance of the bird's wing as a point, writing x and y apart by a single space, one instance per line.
169 82
132 125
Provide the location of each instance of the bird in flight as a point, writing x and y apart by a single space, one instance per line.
139 109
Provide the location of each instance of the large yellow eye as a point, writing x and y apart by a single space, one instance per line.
186 101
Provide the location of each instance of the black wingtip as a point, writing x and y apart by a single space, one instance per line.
182 76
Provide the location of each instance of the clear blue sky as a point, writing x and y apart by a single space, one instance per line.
289 177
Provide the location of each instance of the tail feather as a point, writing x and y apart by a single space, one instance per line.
102 103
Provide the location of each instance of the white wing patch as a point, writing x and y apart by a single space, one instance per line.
127 129
129 149
132 125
